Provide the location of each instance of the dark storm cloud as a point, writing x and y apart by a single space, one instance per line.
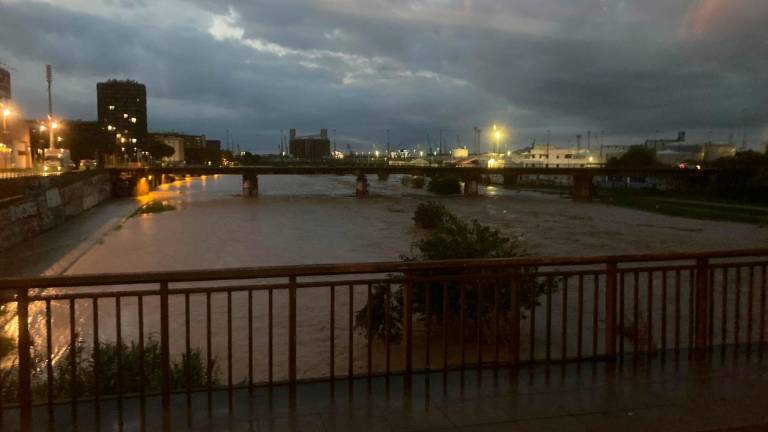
629 67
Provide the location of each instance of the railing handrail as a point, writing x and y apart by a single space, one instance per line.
176 276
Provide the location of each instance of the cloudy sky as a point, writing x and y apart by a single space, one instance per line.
632 68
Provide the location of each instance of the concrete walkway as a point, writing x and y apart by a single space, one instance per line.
729 394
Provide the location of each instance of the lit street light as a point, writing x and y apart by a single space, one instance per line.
6 113
497 135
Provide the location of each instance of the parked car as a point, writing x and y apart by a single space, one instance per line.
57 161
87 164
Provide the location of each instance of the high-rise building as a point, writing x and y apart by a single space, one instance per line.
122 111
5 84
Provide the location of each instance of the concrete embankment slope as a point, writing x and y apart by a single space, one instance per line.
31 205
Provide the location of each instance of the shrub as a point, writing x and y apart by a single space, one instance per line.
455 239
448 185
86 381
416 182
430 215
154 207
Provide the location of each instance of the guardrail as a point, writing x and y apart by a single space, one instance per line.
10 173
93 337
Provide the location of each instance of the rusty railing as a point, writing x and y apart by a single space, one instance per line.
283 325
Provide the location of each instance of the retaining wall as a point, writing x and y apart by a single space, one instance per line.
31 205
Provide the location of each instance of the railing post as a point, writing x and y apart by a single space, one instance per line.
610 310
292 330
25 360
408 323
514 305
165 357
702 297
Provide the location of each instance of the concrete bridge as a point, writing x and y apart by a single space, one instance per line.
583 178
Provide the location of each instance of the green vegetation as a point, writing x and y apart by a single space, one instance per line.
453 238
86 381
680 205
153 207
416 182
430 215
745 177
447 185
637 157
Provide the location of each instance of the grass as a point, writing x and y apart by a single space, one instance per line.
668 203
676 204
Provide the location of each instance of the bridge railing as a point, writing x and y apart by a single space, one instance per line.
10 173
113 336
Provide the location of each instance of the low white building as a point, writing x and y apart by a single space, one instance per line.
543 156
174 140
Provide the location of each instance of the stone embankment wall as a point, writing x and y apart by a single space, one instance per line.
31 205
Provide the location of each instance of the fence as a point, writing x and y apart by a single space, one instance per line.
93 337
9 173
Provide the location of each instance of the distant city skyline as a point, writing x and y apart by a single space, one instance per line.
636 70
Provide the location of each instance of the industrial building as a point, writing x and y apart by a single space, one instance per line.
311 147
213 145
179 142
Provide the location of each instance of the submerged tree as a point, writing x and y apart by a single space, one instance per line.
479 290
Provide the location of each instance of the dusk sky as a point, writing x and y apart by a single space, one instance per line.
626 67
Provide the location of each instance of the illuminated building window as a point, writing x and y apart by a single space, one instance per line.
111 107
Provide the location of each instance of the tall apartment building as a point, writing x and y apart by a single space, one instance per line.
5 84
122 110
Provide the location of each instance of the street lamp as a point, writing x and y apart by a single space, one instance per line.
497 135
6 113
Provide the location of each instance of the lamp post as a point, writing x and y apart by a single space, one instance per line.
497 135
6 113
5 148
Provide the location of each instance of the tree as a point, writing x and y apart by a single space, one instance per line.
637 157
159 150
86 140
430 215
444 185
201 156
744 177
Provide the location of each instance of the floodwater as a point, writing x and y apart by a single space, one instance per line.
310 220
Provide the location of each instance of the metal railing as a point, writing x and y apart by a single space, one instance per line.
10 173
325 322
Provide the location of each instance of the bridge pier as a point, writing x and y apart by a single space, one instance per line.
250 185
471 186
583 187
361 185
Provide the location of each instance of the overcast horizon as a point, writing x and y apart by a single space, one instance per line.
634 69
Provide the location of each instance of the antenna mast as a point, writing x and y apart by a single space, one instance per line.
49 79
